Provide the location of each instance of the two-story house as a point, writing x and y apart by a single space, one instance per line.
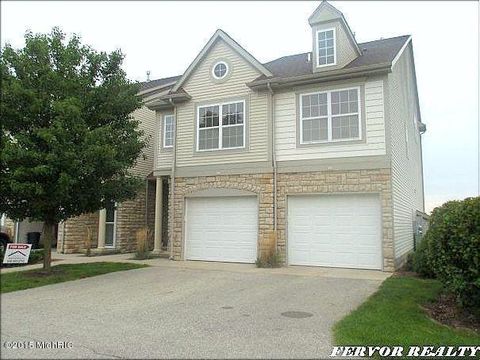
321 150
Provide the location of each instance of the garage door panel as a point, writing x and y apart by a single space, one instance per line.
222 229
335 230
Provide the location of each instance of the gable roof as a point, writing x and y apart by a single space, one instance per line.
378 52
321 9
220 34
325 8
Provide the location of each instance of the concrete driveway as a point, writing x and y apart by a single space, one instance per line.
187 310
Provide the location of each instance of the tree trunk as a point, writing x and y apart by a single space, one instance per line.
48 234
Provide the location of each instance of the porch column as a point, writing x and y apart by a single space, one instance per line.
102 218
157 240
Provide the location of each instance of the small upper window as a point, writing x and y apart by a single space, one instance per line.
220 70
326 47
168 131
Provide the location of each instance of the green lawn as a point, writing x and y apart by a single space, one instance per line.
21 280
393 316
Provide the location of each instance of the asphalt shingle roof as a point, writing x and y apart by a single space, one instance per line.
373 52
158 82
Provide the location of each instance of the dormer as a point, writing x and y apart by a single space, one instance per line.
333 43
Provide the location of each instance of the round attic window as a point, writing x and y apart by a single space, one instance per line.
220 70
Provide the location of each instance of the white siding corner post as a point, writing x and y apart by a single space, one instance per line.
157 240
102 218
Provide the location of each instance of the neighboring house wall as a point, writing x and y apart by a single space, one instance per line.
148 124
131 215
26 226
73 233
406 157
373 124
204 89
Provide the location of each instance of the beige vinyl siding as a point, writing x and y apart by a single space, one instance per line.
286 127
407 178
345 50
147 123
203 88
164 156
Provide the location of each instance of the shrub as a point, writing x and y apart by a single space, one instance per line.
142 244
271 261
454 248
35 256
421 260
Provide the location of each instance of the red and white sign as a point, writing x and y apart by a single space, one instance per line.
17 253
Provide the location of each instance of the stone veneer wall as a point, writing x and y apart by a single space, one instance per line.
131 216
352 181
260 184
151 213
73 240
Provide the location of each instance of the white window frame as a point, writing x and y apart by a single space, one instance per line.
334 47
226 71
114 242
165 130
221 126
330 116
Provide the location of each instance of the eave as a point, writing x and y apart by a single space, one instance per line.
278 82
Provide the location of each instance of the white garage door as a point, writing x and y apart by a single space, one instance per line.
335 230
222 229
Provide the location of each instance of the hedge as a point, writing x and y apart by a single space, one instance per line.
453 248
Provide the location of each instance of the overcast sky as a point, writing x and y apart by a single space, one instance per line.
164 37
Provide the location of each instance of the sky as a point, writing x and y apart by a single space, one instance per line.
165 37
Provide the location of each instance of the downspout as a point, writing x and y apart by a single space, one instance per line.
274 163
172 185
146 202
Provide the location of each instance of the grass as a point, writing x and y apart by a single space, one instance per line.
21 280
394 316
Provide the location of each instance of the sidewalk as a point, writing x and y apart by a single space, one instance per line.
213 266
58 259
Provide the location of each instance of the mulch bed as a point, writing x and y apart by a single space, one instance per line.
446 311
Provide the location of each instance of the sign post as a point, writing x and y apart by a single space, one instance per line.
17 253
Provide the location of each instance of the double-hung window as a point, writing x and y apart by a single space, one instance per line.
168 131
221 126
326 47
110 224
330 116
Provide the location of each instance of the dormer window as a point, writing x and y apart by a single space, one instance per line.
326 54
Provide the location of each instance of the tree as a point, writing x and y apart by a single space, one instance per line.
68 139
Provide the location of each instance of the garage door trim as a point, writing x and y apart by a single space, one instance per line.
215 194
306 194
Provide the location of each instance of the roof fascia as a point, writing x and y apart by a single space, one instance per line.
400 52
376 69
